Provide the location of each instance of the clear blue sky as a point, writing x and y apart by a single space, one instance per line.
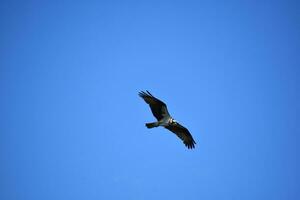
72 124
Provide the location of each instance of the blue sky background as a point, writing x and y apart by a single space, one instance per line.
72 125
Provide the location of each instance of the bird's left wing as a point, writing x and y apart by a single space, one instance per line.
183 133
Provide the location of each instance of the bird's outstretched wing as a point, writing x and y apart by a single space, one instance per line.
183 133
158 108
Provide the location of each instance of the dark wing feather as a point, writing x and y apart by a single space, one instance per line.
183 133
158 108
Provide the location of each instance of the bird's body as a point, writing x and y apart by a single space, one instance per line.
164 119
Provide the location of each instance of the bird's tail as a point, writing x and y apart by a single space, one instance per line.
151 125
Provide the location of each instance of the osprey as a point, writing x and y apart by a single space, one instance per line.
160 112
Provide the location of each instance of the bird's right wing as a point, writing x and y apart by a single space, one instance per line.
158 108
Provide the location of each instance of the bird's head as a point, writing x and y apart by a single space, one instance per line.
173 121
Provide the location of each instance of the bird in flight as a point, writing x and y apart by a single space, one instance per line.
164 119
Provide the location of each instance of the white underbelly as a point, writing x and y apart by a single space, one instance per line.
165 121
